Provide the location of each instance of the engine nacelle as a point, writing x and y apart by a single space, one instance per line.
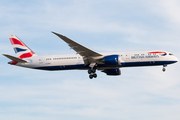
112 60
116 71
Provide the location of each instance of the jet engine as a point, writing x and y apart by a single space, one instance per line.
111 60
116 71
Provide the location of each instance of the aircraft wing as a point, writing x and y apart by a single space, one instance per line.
87 54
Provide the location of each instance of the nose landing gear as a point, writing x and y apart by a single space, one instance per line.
164 69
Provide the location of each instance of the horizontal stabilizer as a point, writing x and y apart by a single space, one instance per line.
15 59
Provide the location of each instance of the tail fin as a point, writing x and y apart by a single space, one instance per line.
21 50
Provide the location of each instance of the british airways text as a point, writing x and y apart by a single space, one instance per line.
148 56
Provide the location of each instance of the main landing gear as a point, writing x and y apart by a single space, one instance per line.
164 69
92 70
92 73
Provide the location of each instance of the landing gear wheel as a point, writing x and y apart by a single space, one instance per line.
164 69
93 70
95 75
91 76
92 73
89 71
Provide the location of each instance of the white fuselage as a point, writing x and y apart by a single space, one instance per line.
75 61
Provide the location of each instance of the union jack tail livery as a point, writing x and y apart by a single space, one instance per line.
21 50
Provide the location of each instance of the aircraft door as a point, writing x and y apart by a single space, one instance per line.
80 60
127 56
41 61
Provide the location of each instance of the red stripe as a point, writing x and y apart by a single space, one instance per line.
157 52
14 63
16 41
26 55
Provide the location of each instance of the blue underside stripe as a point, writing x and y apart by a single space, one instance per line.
128 64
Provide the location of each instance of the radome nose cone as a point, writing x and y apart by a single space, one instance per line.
176 59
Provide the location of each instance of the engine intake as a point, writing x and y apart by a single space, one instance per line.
112 60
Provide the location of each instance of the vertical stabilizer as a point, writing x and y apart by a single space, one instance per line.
21 50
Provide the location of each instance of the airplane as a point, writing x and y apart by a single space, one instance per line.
87 59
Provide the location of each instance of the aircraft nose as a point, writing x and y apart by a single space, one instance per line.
175 59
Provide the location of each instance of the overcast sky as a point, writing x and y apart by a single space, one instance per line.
144 93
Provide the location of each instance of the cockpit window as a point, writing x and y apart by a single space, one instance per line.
170 54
